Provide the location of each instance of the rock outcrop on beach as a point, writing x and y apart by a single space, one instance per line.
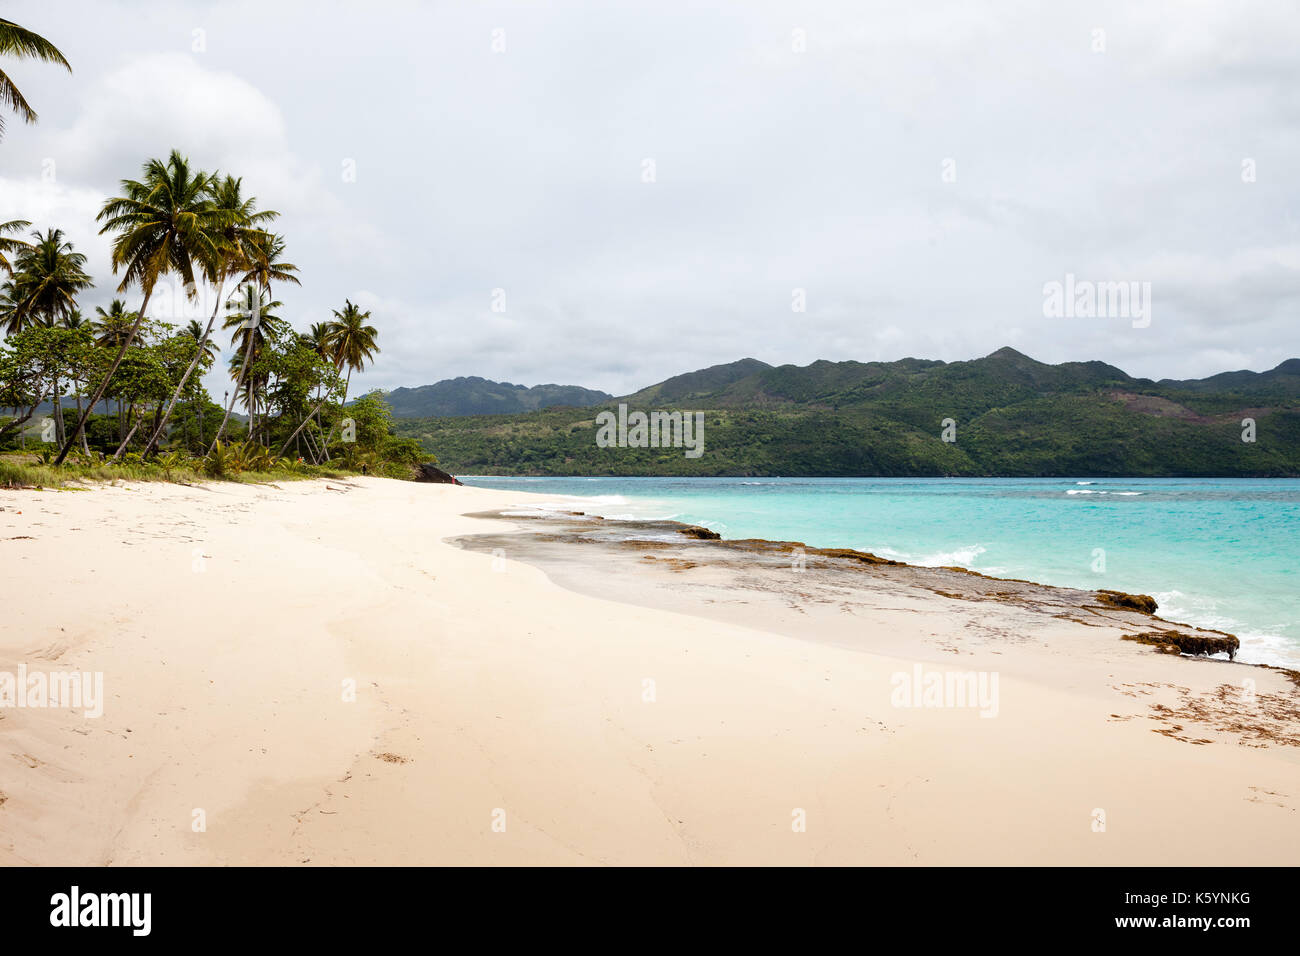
1133 602
433 473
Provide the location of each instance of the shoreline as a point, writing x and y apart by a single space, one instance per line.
1260 644
604 708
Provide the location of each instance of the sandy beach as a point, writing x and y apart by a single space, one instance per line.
334 672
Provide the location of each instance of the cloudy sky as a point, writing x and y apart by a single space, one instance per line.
919 170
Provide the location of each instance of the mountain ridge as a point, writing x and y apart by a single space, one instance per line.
1008 415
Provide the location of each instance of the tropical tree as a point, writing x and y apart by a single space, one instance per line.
113 326
265 265
9 246
76 322
351 341
164 224
47 277
205 345
23 44
250 314
239 241
317 339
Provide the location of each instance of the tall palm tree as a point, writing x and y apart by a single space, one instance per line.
253 316
163 224
351 341
265 265
196 332
239 239
73 321
11 246
23 44
47 277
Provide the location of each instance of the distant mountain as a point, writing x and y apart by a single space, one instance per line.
707 381
1010 415
478 396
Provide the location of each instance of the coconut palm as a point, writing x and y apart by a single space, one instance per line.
47 277
351 341
9 246
317 339
113 326
23 44
239 241
164 224
73 321
250 314
266 262
197 332
265 265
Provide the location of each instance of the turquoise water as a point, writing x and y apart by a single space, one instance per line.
1219 553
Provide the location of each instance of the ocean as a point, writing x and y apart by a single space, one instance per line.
1220 553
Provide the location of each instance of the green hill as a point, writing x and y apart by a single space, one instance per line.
479 396
1012 416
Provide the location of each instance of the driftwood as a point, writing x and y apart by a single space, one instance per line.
433 473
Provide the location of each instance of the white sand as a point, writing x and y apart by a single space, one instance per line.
226 620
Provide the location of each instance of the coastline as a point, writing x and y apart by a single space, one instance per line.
227 619
1164 538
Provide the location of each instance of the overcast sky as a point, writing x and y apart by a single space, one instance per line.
1114 155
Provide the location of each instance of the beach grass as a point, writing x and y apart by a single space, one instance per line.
25 471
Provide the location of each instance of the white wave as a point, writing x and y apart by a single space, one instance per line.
961 557
1085 482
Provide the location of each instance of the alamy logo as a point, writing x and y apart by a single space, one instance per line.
102 909
932 688
84 689
653 430
1085 299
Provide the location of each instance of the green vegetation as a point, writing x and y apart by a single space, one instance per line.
1012 416
23 44
141 410
472 395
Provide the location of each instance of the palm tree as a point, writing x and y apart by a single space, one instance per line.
250 315
164 224
11 246
205 345
113 327
23 44
239 238
265 265
73 321
47 277
351 341
317 339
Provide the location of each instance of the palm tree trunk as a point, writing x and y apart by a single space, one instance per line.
301 424
347 383
186 377
58 414
131 434
85 446
99 392
243 370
